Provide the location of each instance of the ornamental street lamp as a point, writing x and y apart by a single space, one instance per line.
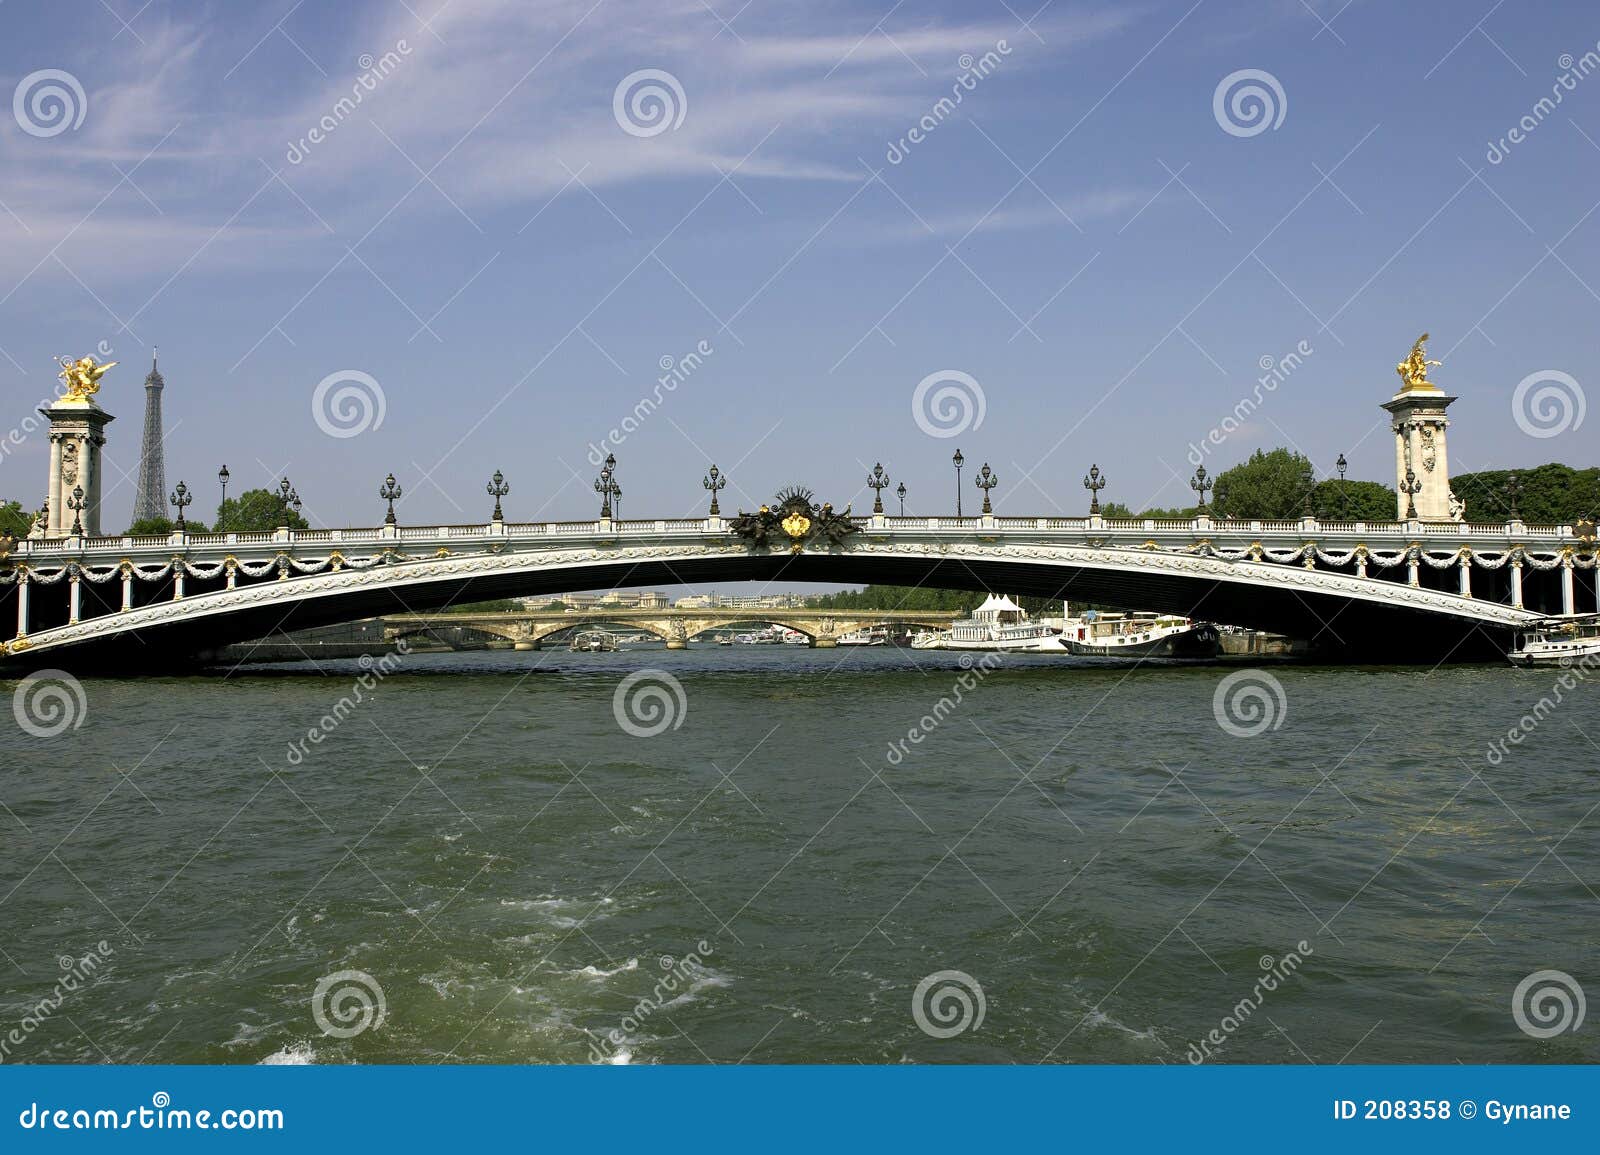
713 481
222 476
602 486
1199 484
181 497
1094 483
1221 503
391 493
1411 486
498 488
1514 491
879 481
957 461
901 494
986 481
75 504
1344 493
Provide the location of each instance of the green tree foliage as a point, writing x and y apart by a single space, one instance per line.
498 606
1271 485
1548 494
257 511
1114 509
150 526
14 520
1335 500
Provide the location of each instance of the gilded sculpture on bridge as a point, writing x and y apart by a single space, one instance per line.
1414 369
798 518
82 376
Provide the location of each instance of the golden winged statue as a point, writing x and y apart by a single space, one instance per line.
82 376
1414 369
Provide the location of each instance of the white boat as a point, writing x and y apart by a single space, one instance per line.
1139 635
1559 642
866 636
998 624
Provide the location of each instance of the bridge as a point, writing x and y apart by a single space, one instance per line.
1427 587
673 626
1410 590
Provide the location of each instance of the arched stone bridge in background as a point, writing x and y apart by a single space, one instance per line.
673 626
1394 591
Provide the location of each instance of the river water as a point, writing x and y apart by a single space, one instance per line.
476 861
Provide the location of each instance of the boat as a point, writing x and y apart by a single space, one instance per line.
1139 635
998 624
866 636
593 642
1559 642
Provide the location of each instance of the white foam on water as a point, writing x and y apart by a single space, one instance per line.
293 1055
595 972
700 978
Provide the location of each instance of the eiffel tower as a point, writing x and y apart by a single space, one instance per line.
147 501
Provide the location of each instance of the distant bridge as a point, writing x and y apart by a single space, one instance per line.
673 626
1392 591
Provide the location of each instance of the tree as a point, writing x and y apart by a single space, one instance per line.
1552 494
14 520
1336 500
1271 485
151 526
498 606
1114 509
257 511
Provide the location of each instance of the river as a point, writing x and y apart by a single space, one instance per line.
852 855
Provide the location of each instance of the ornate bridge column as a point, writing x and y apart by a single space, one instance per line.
22 603
127 586
1465 562
74 596
1516 583
77 433
1418 419
1568 600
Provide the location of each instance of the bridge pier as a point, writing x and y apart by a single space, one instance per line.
677 643
824 643
525 645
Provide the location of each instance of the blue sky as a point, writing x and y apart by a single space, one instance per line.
484 238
